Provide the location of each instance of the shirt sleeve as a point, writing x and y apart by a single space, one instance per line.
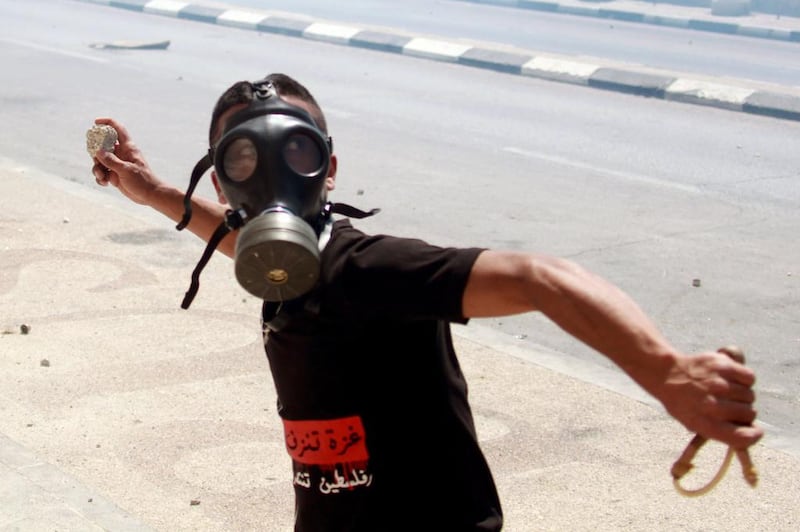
399 277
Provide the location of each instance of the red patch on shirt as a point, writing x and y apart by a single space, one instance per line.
326 441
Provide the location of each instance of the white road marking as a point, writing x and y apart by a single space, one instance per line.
627 176
59 51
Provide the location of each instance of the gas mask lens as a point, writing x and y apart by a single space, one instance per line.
302 154
240 159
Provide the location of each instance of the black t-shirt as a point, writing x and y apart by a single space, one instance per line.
373 400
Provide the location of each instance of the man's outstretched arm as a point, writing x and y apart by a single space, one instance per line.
708 392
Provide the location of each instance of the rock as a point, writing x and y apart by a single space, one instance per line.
100 136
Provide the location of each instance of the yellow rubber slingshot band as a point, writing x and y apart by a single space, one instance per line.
684 463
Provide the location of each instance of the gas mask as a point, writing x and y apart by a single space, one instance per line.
271 162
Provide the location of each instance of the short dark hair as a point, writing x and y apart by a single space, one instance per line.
242 92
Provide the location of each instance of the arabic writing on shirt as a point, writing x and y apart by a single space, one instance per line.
338 482
326 442
329 454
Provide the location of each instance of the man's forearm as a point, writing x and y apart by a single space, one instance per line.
206 214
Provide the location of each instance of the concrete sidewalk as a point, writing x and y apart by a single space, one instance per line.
120 411
731 94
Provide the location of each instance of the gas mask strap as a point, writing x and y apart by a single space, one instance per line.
222 230
350 211
199 169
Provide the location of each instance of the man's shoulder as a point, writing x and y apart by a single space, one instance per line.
343 232
392 252
342 224
346 237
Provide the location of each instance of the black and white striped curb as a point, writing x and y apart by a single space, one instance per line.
687 90
628 15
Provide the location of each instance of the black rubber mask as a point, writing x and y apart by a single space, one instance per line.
272 162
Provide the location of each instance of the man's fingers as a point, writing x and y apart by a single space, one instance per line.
109 160
745 436
741 394
736 372
726 407
122 133
731 390
105 169
736 412
101 174
735 369
736 435
731 422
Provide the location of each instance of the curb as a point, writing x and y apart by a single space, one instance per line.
699 24
687 90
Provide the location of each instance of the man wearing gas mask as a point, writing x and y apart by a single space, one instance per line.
341 307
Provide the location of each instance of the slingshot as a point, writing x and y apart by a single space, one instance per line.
684 463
